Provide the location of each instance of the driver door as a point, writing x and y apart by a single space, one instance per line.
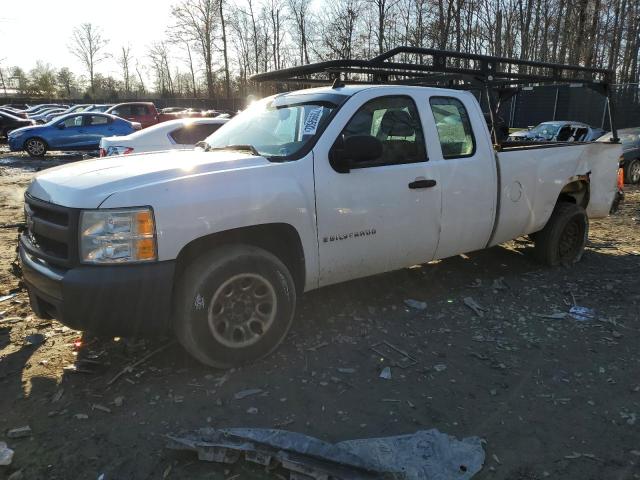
69 135
383 214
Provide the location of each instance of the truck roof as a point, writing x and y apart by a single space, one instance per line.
349 90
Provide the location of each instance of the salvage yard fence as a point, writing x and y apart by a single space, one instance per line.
533 105
530 106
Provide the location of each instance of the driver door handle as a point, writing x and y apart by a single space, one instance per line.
422 183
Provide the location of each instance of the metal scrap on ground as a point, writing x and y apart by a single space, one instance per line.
421 455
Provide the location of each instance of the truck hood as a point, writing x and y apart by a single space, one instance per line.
88 183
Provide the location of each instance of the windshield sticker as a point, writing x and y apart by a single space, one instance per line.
312 121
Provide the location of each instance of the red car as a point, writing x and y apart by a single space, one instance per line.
144 113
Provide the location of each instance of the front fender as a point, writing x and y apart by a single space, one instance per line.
192 207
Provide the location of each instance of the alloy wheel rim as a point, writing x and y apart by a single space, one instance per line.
635 172
242 310
36 147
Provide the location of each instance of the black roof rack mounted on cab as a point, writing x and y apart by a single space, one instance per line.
499 77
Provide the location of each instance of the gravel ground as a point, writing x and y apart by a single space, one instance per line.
553 397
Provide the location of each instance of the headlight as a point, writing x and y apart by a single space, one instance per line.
117 236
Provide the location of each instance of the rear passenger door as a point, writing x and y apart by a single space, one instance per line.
96 127
460 148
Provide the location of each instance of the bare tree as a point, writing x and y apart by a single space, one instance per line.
124 59
196 21
227 75
300 12
88 46
159 57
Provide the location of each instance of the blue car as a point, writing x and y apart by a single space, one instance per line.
75 131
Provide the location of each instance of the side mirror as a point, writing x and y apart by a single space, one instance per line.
61 126
346 153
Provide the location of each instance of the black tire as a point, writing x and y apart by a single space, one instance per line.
223 329
632 171
564 237
35 147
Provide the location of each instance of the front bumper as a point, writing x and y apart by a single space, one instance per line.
15 144
121 300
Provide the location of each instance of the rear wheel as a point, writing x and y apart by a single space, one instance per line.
632 171
564 237
233 305
35 147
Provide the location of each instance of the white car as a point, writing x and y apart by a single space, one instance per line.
177 134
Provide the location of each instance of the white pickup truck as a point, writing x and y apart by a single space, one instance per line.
301 190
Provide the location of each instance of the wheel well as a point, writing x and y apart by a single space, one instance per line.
280 239
576 192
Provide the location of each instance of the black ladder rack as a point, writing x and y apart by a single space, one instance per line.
499 77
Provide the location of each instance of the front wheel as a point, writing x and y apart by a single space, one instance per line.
632 172
233 305
564 237
35 147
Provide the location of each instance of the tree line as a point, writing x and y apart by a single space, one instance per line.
212 47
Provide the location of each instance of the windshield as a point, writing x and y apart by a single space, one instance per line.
545 130
274 131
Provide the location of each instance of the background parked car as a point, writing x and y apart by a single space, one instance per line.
171 135
17 106
76 131
144 113
630 159
41 117
99 107
10 122
39 108
13 111
560 131
76 108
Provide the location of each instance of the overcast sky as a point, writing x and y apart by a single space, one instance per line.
32 30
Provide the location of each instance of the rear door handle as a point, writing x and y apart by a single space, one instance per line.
422 184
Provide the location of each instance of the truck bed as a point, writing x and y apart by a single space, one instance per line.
531 178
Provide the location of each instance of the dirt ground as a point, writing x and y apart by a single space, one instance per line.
553 397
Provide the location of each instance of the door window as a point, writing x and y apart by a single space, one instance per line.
564 134
97 120
73 121
453 126
396 123
192 134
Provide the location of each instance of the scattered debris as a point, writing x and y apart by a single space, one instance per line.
118 401
441 367
6 454
554 315
397 357
102 408
417 304
58 395
19 432
318 347
247 393
81 416
7 297
499 284
424 454
473 305
252 410
34 339
582 314
346 370
385 373
129 368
